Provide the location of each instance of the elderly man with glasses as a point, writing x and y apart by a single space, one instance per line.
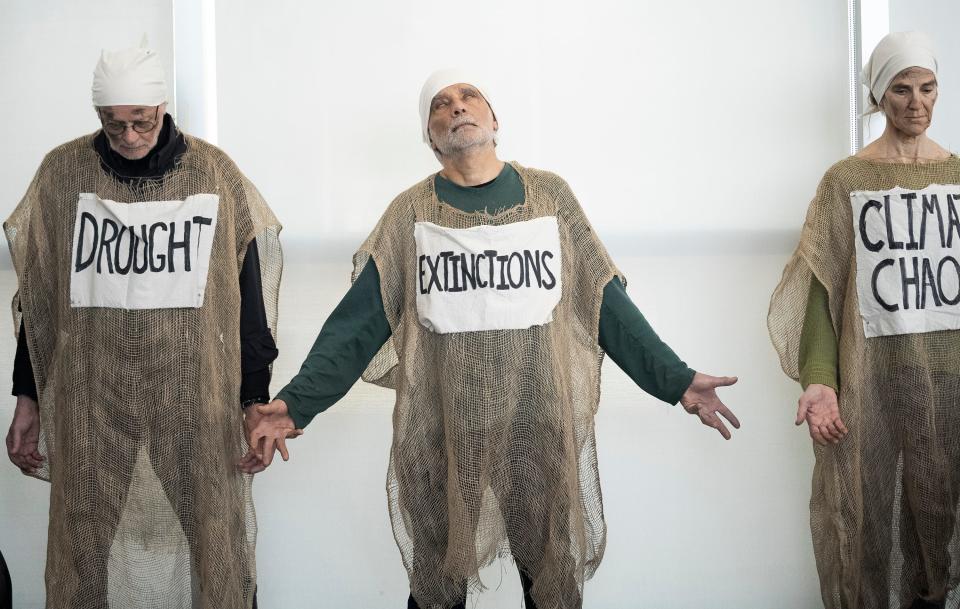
147 268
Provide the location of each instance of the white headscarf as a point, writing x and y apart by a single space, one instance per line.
129 77
894 54
440 80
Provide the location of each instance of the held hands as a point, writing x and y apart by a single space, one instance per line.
818 406
268 427
24 435
701 399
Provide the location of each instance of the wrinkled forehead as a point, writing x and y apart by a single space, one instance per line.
914 73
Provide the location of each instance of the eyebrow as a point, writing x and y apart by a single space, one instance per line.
462 90
907 84
107 114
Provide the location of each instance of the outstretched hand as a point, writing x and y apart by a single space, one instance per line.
701 399
24 436
818 406
268 428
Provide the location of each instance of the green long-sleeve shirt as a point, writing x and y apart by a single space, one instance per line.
358 326
819 354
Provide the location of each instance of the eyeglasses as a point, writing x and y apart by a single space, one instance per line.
119 127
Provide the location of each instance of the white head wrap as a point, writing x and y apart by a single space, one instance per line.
894 54
440 80
129 77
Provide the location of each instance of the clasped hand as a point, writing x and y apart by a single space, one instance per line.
268 427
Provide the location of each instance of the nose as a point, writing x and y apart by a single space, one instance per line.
129 135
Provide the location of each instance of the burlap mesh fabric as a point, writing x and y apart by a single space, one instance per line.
884 506
140 415
493 450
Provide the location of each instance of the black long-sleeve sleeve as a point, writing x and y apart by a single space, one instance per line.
258 348
23 381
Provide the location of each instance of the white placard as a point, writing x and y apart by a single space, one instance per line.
908 259
151 255
487 277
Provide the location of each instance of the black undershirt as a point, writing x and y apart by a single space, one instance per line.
258 348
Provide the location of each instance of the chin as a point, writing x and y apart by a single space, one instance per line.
918 131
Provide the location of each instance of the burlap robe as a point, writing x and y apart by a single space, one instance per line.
884 506
141 422
493 450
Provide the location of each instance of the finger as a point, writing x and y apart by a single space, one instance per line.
31 462
728 415
257 440
834 431
272 408
802 408
252 467
266 457
25 466
817 436
841 426
17 440
725 381
282 445
293 434
827 433
722 428
712 420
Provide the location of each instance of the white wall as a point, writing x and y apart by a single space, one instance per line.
694 124
874 25
662 116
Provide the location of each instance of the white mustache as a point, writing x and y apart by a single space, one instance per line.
461 121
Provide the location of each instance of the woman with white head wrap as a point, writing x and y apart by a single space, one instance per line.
866 318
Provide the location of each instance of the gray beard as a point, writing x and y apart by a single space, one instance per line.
458 142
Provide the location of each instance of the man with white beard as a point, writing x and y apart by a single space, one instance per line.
486 300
